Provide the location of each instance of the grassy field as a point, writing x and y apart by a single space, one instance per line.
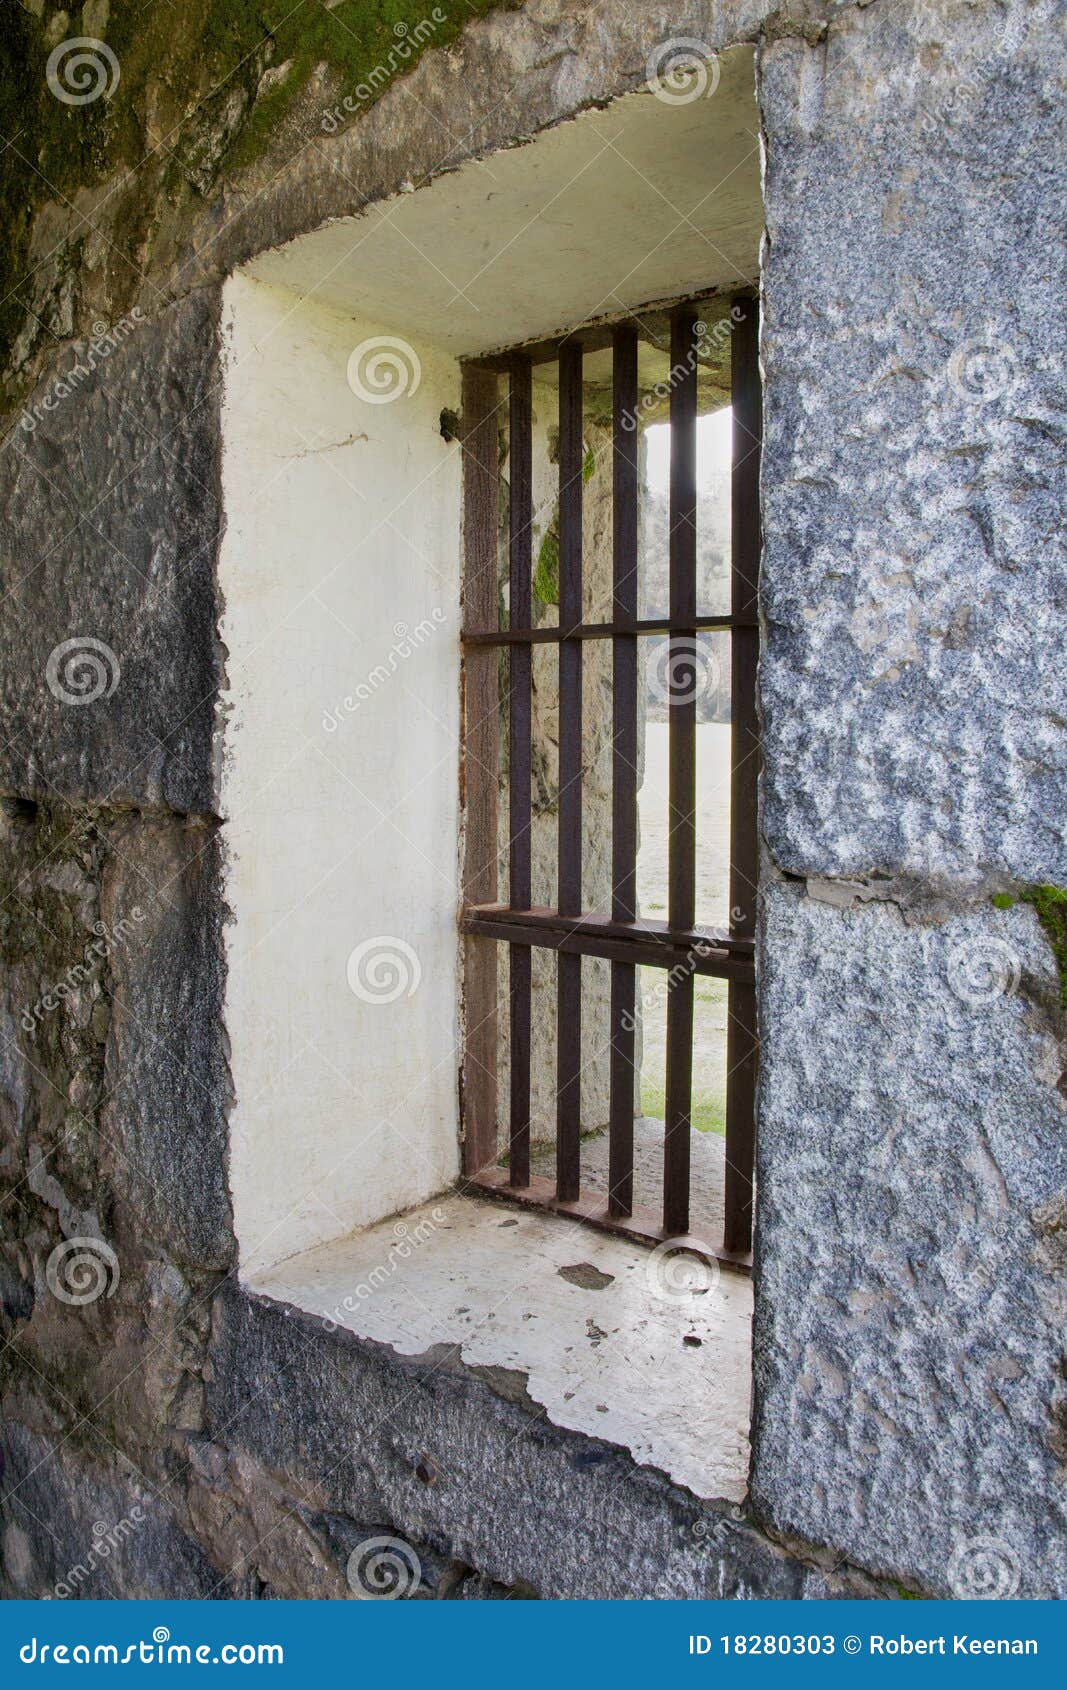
713 834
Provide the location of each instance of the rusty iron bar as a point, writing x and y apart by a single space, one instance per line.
598 631
622 1086
481 714
570 939
569 822
520 657
702 940
643 1226
742 1044
681 699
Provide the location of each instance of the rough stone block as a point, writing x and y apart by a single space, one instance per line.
528 1505
109 519
110 1536
912 1166
913 689
164 1118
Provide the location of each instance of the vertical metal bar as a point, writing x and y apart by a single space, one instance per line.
569 887
519 894
624 765
681 861
481 710
742 1044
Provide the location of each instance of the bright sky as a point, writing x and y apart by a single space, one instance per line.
713 451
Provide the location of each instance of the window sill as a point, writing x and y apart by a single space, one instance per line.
601 1333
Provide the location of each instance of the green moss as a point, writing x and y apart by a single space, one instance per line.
1050 905
185 113
546 570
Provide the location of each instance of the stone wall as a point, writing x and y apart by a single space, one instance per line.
912 1127
909 1401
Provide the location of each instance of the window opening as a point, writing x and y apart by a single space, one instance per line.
700 965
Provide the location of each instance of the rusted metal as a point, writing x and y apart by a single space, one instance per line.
623 1075
651 319
481 706
600 630
703 941
742 1045
520 577
569 814
681 846
643 1225
678 945
579 937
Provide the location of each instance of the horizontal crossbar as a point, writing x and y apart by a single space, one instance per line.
605 630
643 943
642 1226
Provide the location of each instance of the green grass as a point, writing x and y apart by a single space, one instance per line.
709 1066
708 1113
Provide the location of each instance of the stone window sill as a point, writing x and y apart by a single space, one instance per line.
604 1336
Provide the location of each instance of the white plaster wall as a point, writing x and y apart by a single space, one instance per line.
340 572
